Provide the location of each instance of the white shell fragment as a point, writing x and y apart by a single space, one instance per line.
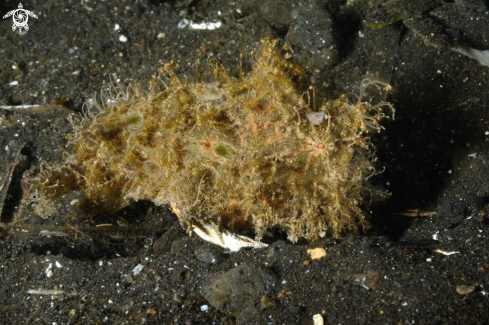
225 239
435 236
49 270
316 118
445 252
204 308
183 23
18 107
208 26
137 269
318 319
45 292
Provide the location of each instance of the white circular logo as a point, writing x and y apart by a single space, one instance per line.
20 17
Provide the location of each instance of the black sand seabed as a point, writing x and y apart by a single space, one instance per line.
424 268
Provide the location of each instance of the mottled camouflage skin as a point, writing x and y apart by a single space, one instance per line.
238 151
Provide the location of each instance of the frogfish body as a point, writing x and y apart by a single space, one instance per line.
245 152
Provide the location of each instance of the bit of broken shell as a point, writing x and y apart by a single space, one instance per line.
317 253
464 290
224 239
446 253
318 319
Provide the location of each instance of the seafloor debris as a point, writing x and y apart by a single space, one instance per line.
224 238
247 152
464 290
316 253
372 279
446 253
318 319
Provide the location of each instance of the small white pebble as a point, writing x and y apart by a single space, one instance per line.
137 269
14 83
204 308
435 236
49 270
318 319
183 23
161 35
122 38
116 27
450 171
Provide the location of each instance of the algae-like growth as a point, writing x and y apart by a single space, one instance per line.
245 151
